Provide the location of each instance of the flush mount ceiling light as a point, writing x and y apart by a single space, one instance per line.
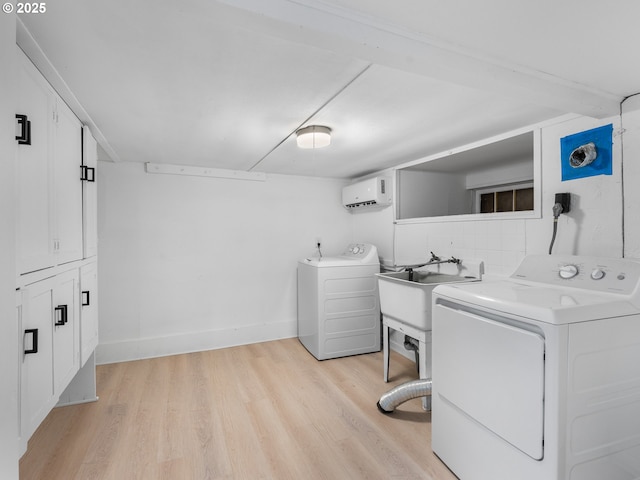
313 136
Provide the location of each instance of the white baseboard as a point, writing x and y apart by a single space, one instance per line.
140 348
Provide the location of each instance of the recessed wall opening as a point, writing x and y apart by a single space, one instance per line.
488 180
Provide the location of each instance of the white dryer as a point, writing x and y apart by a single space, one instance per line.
338 308
538 376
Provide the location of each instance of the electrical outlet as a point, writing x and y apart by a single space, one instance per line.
564 199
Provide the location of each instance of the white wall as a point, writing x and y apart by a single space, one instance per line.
431 194
631 146
192 263
520 170
8 326
593 227
372 226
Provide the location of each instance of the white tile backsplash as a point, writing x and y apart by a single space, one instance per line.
501 244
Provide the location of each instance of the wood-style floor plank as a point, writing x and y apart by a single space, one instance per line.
261 411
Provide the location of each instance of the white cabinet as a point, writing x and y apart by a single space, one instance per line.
35 246
66 338
50 345
67 186
89 193
56 236
88 311
49 227
37 396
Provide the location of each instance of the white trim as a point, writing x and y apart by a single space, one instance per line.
204 172
522 215
190 342
535 128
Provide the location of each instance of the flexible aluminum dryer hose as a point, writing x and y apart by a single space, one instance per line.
402 393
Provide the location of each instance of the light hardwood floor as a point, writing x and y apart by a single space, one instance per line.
268 410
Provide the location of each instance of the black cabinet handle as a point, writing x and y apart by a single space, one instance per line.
62 318
34 340
88 174
25 130
85 295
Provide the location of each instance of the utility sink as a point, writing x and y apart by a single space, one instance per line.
406 296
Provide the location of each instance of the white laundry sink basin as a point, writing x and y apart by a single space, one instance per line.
406 296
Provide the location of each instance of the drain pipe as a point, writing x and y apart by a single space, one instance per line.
412 344
402 393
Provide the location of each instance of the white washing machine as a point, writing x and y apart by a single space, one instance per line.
338 308
537 377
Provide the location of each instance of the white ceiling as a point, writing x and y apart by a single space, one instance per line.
225 84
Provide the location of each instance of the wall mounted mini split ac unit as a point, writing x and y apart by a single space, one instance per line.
374 192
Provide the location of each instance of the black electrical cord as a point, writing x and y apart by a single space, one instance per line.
557 210
555 230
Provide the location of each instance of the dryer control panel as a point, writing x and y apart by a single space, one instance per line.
615 275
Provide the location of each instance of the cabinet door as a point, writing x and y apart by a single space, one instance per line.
89 194
36 393
67 158
35 229
88 311
20 341
66 343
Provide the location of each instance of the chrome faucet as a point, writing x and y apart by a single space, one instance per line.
434 260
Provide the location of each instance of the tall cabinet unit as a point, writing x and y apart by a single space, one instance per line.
56 232
89 271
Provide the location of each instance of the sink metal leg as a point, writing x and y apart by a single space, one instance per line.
385 350
422 348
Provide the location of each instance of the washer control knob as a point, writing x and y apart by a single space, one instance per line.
598 274
568 271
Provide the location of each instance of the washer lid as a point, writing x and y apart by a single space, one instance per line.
549 304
